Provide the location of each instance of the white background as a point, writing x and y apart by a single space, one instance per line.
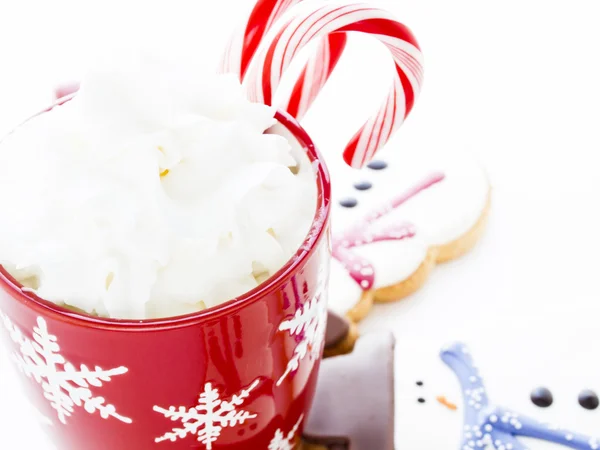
515 82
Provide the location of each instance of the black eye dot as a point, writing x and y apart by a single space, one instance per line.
349 202
377 165
419 383
363 185
542 397
421 400
589 400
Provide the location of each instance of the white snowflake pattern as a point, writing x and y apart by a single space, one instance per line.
309 322
65 386
209 417
281 442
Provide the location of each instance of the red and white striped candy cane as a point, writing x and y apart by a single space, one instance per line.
246 40
322 21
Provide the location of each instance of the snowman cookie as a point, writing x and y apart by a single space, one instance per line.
398 218
446 391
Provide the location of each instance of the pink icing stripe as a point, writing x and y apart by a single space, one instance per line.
386 208
359 268
361 236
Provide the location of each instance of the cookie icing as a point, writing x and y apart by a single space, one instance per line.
344 291
492 427
366 238
357 268
434 198
588 399
441 213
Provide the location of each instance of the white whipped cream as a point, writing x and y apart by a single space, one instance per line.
152 193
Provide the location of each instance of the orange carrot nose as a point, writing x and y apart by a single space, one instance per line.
445 402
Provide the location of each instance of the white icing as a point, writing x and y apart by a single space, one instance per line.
415 422
344 292
440 214
450 208
101 229
394 260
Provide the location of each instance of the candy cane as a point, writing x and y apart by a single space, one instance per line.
314 76
265 76
246 40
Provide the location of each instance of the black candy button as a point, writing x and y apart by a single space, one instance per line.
349 202
589 400
421 400
542 397
419 383
363 185
377 165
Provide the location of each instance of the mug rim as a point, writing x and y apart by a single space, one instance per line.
318 227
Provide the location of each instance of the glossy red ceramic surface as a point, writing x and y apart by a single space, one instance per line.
239 352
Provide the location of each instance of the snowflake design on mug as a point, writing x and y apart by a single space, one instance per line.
209 417
309 322
281 442
64 385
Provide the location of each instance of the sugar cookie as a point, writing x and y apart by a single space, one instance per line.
340 335
436 210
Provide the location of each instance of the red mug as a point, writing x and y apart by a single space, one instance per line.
241 375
